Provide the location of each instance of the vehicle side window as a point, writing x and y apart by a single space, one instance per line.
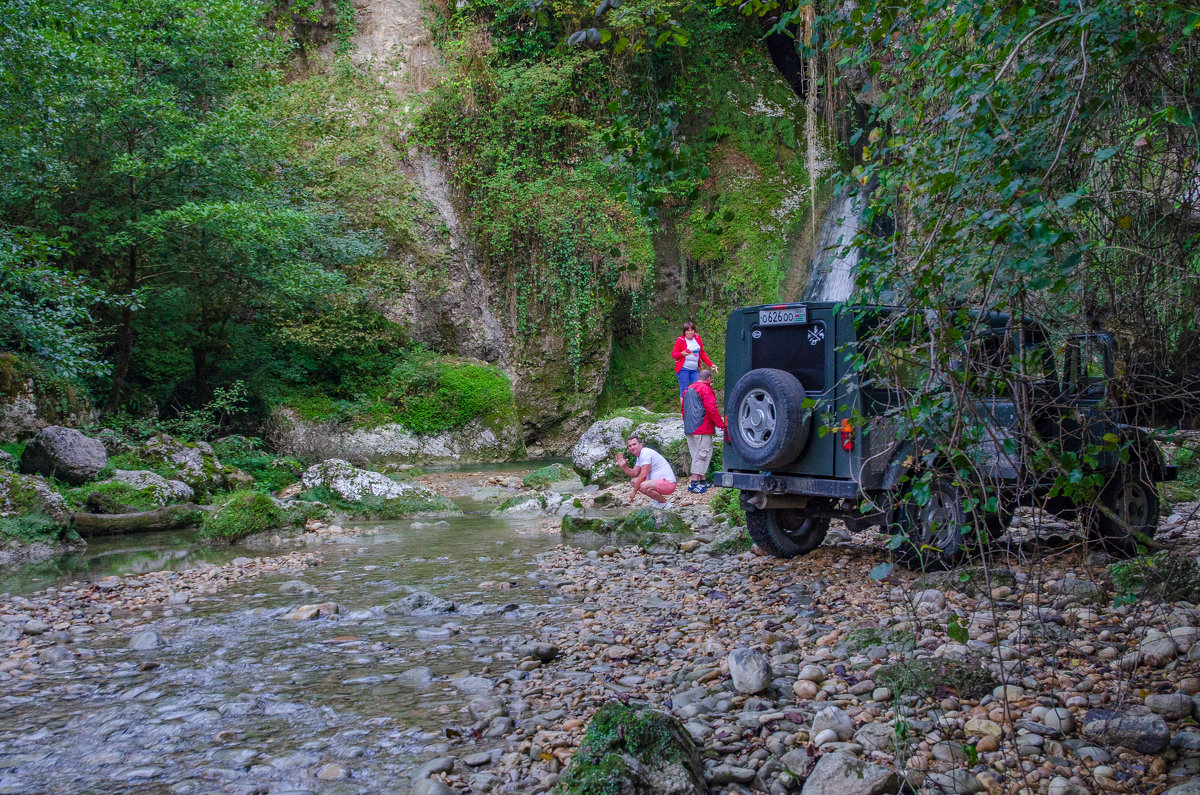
1088 366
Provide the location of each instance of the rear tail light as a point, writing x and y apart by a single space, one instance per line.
847 435
726 430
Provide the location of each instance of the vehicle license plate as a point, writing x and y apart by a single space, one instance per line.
783 317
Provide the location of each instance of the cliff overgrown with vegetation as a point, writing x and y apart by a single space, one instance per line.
196 205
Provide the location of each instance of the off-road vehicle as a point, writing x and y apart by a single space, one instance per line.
812 436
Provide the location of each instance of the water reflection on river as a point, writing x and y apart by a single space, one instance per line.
241 700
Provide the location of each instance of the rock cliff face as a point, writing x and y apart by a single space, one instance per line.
454 306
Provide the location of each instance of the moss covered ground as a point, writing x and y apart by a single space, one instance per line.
241 514
615 731
34 528
111 497
541 478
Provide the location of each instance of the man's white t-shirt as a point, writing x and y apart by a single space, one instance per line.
659 468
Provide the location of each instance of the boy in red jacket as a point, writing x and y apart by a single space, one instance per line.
701 419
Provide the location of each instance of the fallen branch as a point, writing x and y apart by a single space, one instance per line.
169 517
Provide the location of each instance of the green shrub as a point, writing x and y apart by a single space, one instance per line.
241 514
617 731
270 472
726 502
1163 576
14 449
33 528
432 395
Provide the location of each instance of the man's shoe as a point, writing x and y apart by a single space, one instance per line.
697 487
660 505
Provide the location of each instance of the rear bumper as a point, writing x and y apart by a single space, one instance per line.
787 484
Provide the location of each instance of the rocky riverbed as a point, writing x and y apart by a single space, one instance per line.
468 653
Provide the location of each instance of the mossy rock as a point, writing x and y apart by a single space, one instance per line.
628 750
1163 576
733 542
518 500
373 507
605 499
575 525
927 676
968 580
645 527
541 478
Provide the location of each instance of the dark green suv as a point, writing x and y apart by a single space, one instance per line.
812 436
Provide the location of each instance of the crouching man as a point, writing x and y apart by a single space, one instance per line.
650 474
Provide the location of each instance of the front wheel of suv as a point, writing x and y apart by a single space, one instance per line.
1128 508
786 532
940 534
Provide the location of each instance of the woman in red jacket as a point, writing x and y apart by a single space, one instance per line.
688 354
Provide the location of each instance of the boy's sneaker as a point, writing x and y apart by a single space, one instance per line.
697 487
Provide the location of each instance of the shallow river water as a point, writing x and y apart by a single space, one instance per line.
240 700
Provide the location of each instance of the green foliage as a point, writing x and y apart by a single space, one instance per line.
1161 577
45 310
111 497
422 391
1187 487
270 472
439 394
614 731
727 502
241 514
379 507
34 528
163 186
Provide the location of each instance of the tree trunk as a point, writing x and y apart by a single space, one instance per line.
170 517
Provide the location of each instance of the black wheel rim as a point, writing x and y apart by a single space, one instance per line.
796 525
938 521
1132 505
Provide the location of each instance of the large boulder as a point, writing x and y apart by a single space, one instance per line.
1144 733
635 752
593 456
351 483
636 526
64 453
30 494
842 774
193 463
37 525
374 491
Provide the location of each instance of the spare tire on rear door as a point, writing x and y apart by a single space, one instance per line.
768 424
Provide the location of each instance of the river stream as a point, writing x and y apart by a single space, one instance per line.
238 699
